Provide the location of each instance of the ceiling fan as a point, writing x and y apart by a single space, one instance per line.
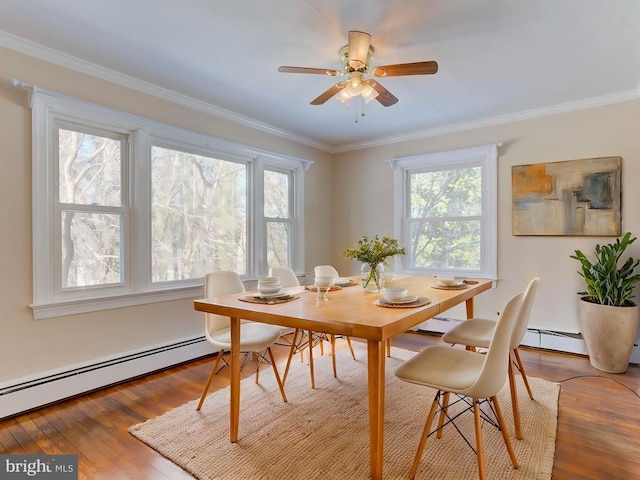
355 58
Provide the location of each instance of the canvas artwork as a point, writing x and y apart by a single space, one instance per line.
575 197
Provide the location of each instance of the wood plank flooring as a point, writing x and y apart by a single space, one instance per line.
598 423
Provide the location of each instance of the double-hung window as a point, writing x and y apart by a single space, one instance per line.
129 211
278 216
446 212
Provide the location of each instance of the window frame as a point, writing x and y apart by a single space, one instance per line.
486 158
289 221
50 108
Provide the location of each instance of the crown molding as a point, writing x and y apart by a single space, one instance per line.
497 120
56 57
47 54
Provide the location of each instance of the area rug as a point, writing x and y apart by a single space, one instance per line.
324 434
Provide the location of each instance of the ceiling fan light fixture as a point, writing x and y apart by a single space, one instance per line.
354 86
368 93
358 49
344 97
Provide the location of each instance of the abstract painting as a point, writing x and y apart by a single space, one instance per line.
575 197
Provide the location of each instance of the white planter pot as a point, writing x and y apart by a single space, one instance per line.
609 333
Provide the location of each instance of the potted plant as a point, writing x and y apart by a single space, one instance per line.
373 253
608 316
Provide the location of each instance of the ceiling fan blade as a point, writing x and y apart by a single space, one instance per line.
326 95
320 71
385 97
358 48
415 68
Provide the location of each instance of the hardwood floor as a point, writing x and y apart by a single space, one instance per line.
598 426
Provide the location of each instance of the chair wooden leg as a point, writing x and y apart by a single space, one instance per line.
423 438
388 347
208 384
514 400
505 434
332 339
482 471
313 382
301 349
353 355
520 365
443 411
291 352
275 372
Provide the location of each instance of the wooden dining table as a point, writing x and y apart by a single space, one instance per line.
352 312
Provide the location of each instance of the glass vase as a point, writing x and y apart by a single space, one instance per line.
372 277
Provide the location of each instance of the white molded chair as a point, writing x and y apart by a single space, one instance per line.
287 278
325 271
477 332
297 345
474 377
254 337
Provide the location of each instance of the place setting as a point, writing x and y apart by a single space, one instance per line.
451 283
398 297
269 292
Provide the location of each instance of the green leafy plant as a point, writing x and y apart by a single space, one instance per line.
606 283
374 250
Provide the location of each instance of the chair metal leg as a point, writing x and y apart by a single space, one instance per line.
505 434
275 372
208 384
425 435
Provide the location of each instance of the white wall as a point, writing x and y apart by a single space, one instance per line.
347 195
29 347
364 194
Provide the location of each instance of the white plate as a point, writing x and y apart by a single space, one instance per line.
341 281
270 295
407 299
454 284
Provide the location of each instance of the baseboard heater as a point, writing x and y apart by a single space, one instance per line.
21 395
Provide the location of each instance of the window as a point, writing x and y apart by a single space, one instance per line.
198 215
446 212
278 217
91 206
129 211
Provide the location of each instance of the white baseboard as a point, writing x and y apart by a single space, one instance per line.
549 340
23 394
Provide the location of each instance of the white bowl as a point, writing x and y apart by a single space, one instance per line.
447 281
268 280
273 288
391 294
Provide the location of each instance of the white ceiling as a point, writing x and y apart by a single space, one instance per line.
498 59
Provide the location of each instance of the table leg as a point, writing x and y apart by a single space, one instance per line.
375 367
469 305
235 379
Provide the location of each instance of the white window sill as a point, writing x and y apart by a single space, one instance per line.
60 309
